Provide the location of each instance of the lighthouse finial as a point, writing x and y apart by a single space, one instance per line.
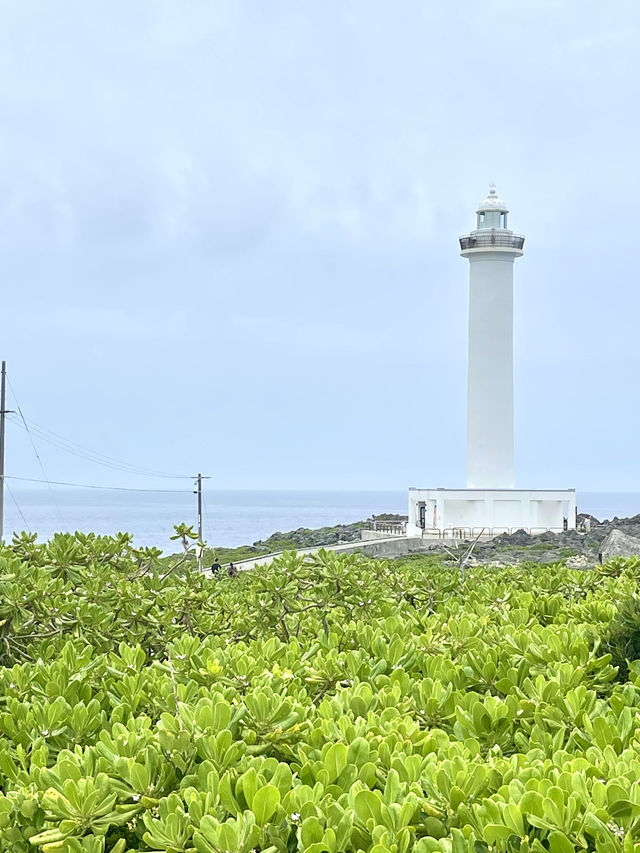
492 201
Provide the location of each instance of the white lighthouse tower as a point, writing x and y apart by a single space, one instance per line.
491 249
490 504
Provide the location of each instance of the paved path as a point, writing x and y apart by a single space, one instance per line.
344 548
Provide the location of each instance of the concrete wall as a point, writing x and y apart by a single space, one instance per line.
391 547
375 534
469 513
512 513
549 514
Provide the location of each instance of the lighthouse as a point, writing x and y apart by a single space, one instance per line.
491 250
490 503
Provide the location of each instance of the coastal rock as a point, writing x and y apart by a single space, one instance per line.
583 517
619 544
519 537
579 561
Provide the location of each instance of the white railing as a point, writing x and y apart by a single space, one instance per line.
483 532
483 241
391 528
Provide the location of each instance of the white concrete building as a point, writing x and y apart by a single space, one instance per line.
490 501
468 512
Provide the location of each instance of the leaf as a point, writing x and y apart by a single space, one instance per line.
265 803
139 778
311 832
493 833
367 806
358 752
335 760
559 843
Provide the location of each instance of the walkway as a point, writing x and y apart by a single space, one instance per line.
394 546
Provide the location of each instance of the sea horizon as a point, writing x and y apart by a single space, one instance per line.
232 517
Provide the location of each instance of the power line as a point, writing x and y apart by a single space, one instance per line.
76 449
93 486
82 454
18 507
49 436
35 450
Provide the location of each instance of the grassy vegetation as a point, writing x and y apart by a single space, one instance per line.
232 555
301 538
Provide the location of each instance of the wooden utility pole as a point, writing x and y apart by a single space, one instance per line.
3 412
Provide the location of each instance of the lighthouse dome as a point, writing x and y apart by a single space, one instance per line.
492 202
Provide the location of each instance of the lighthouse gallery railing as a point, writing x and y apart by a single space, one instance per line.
481 241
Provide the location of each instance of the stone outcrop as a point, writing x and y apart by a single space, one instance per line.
578 561
619 544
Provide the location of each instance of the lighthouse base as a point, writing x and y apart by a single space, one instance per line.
489 512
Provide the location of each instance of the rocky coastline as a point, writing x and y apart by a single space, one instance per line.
577 549
582 550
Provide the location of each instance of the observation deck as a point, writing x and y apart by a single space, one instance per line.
492 240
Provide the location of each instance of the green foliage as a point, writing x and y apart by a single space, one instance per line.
624 636
232 555
323 704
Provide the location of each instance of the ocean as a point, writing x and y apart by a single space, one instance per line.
230 517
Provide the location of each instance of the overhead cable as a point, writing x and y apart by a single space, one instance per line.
35 450
94 456
206 513
18 507
94 486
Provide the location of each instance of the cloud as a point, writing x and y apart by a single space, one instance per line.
92 322
276 190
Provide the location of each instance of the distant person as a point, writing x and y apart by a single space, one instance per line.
215 566
233 572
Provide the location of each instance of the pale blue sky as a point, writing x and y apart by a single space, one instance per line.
228 235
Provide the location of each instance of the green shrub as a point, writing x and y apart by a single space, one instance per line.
323 704
623 639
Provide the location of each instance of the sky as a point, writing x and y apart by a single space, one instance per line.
228 236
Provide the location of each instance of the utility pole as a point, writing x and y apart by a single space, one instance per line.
3 397
199 478
199 507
